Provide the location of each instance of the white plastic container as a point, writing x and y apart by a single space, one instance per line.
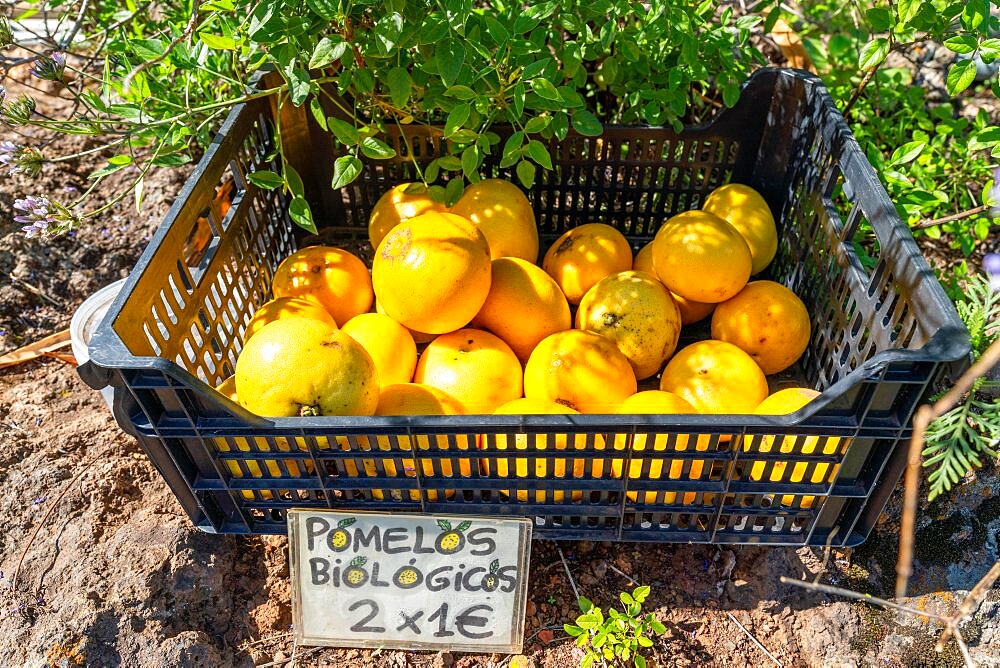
85 321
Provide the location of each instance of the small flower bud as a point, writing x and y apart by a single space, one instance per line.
19 112
50 68
6 34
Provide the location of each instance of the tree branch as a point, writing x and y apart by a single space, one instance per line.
949 219
925 415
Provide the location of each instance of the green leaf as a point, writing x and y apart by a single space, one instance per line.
989 49
657 627
461 92
975 13
346 168
960 76
327 51
730 94
587 661
879 19
517 98
266 179
375 148
526 173
456 118
172 160
585 604
450 56
218 42
907 9
572 630
399 83
626 598
986 138
345 133
470 163
588 621
298 85
452 192
644 641
600 638
327 9
873 53
450 163
537 124
962 43
545 89
301 214
560 125
586 123
148 49
640 593
639 661
316 109
908 152
538 152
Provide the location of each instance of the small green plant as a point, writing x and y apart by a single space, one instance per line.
619 637
956 441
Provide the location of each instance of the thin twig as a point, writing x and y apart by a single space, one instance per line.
68 39
31 539
826 555
311 650
623 574
185 34
568 574
857 596
36 291
948 219
969 605
754 640
924 416
963 648
265 640
861 88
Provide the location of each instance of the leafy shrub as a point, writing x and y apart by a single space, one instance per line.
619 636
156 88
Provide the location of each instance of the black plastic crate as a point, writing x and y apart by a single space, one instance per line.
881 341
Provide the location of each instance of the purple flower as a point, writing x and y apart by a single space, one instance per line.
991 263
8 150
39 500
34 215
50 68
20 159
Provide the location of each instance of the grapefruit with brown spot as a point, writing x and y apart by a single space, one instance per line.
475 367
337 279
767 321
397 204
637 313
302 367
584 255
715 377
432 272
524 306
543 467
582 370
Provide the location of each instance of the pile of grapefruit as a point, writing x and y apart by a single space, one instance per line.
456 316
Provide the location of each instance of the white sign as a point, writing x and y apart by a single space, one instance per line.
408 581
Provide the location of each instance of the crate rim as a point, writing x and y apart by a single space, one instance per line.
949 344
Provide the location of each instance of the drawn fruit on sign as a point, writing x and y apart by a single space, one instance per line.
355 575
340 539
407 577
452 540
490 580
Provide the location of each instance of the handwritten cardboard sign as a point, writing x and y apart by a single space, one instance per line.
408 581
